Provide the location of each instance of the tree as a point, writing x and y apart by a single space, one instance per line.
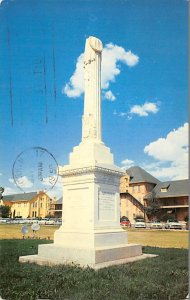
186 219
153 206
1 192
167 217
5 211
49 216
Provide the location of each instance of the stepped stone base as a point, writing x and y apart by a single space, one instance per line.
95 258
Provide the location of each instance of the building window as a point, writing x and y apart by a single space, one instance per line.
35 214
164 190
133 188
165 187
41 204
139 188
35 204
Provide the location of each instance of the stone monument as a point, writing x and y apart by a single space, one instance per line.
90 234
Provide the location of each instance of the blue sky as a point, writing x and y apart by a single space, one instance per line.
144 106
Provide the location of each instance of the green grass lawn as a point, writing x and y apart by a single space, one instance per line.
159 238
145 237
163 277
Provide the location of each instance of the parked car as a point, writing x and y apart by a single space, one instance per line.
47 221
124 221
58 221
21 221
43 221
5 220
156 225
173 224
29 221
140 223
34 220
50 222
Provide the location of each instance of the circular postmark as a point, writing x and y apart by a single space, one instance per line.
35 169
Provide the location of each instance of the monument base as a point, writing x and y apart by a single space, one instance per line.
98 258
91 234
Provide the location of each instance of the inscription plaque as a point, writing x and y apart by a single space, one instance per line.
106 206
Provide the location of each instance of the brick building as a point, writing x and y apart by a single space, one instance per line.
172 197
138 186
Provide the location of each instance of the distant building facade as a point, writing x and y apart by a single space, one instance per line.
172 197
137 187
133 187
56 208
32 205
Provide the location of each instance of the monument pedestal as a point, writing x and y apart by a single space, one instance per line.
98 258
90 234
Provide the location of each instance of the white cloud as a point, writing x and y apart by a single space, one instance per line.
75 87
57 190
9 191
141 110
127 163
171 154
1 1
145 109
49 181
112 55
109 96
23 182
122 114
173 147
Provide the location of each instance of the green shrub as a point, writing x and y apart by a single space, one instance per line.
167 217
186 219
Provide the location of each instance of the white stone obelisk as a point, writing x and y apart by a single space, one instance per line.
92 150
90 234
92 98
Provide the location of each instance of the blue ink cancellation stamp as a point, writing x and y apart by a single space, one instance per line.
35 169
